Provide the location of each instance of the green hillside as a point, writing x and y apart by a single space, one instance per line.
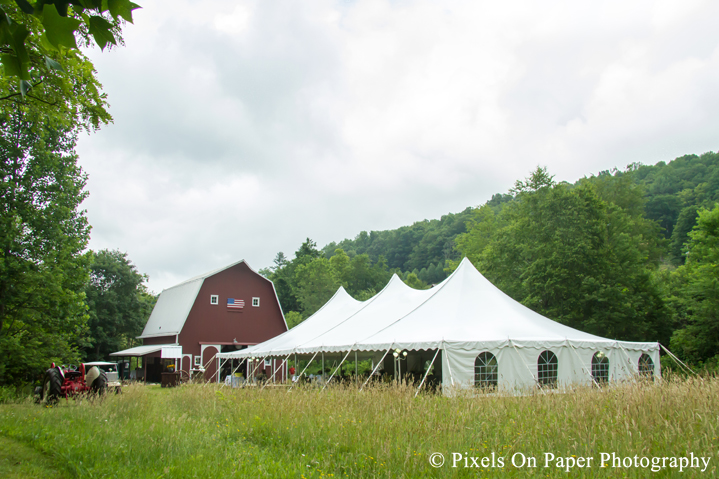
626 254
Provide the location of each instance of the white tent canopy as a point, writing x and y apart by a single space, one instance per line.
335 311
464 316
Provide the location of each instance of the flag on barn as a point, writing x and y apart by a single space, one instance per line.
235 303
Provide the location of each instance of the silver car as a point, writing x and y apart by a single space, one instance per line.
112 372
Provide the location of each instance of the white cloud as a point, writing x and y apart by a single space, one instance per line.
241 128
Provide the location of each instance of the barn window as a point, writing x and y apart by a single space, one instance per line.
547 366
646 366
600 367
198 361
486 371
214 299
268 363
256 302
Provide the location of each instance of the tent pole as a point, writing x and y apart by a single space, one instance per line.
530 371
232 373
356 368
333 374
582 364
629 360
451 378
427 373
257 366
207 364
323 367
303 371
238 367
376 367
278 368
219 366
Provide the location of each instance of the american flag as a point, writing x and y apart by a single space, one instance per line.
235 303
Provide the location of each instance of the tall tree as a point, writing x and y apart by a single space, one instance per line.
568 254
315 284
698 296
43 234
118 303
48 92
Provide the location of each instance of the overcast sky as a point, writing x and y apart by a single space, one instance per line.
243 127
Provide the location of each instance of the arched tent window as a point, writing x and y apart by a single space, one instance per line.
486 371
600 367
547 366
646 366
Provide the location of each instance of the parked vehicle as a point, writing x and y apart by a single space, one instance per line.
112 373
68 381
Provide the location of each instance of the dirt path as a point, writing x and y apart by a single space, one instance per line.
18 460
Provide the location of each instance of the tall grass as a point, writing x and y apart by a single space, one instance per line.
383 431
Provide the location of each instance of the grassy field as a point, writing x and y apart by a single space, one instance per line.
197 431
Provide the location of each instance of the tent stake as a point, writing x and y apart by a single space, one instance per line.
427 373
376 367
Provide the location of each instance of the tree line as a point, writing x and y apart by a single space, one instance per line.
309 280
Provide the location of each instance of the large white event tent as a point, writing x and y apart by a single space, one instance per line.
484 336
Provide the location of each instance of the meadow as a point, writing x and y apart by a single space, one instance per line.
384 431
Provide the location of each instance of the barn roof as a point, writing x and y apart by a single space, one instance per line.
174 304
140 350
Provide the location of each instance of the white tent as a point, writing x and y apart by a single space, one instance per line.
486 338
335 311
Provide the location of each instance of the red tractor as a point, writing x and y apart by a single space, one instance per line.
67 381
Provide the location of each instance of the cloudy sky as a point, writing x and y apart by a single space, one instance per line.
243 127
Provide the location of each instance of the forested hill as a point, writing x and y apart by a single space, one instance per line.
425 246
673 193
627 255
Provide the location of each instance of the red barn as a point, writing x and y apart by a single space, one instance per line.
224 310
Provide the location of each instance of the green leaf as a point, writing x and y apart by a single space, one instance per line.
100 30
53 65
122 8
45 43
19 35
24 87
12 65
59 30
